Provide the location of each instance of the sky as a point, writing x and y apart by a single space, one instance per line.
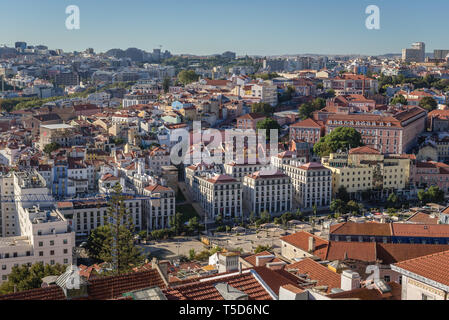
253 27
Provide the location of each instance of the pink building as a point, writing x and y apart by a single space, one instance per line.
308 130
389 134
432 173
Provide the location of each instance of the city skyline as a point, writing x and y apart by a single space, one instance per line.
245 28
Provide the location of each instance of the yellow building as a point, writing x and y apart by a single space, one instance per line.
366 169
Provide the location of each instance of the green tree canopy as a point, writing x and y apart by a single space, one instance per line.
49 148
339 139
428 103
187 77
433 194
400 99
114 243
262 107
306 109
269 124
27 278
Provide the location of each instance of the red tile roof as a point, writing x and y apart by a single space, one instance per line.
433 267
423 218
318 272
205 290
370 294
301 241
364 150
308 123
363 229
102 288
390 253
360 251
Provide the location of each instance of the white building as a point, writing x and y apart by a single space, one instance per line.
271 192
312 184
159 209
44 235
86 215
424 278
218 194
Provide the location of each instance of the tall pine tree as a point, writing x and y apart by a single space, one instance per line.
122 252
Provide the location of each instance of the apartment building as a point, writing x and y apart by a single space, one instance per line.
159 208
388 134
430 173
218 195
417 53
249 121
266 92
366 169
158 158
312 184
239 171
43 234
308 130
62 134
86 215
8 214
351 84
270 192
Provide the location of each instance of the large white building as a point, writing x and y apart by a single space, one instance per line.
312 184
86 215
218 194
159 208
270 192
43 234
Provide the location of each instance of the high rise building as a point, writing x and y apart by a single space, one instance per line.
417 53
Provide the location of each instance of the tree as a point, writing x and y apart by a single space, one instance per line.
166 84
252 217
192 254
98 240
187 76
193 225
265 217
269 124
27 278
428 103
176 223
337 206
400 99
393 201
342 194
433 194
339 139
219 219
49 148
123 254
354 208
306 109
262 107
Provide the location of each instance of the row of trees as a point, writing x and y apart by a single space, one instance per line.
27 277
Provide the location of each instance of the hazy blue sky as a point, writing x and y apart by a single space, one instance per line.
214 26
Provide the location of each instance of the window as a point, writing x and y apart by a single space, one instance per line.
387 279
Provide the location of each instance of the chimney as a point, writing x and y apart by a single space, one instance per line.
312 244
350 280
290 292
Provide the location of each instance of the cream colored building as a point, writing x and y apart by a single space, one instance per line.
270 192
366 169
